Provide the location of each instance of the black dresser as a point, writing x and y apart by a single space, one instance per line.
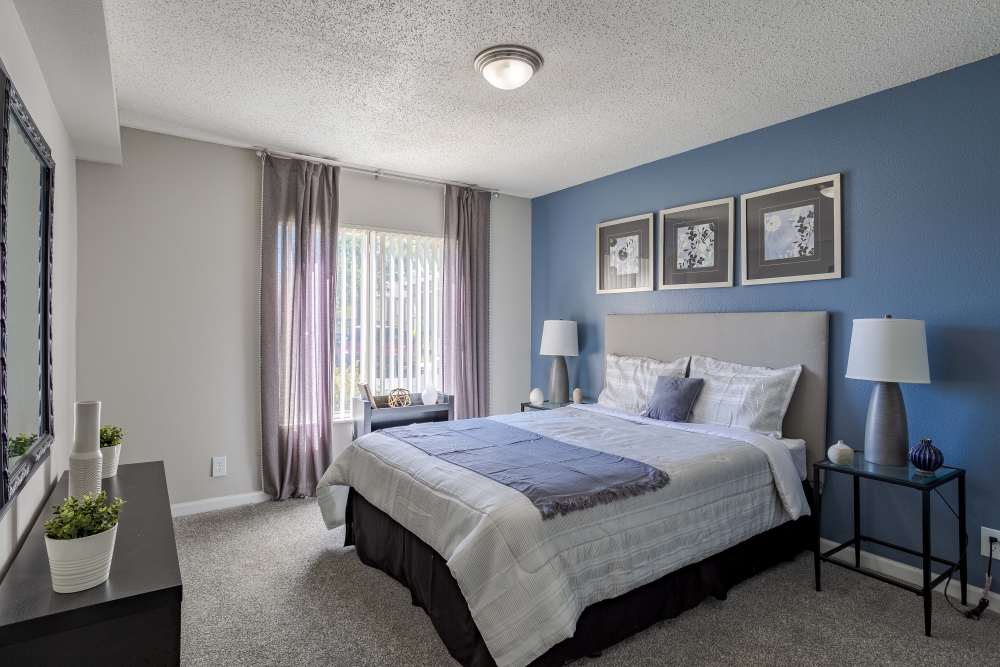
134 618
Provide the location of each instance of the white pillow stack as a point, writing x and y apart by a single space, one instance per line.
629 381
750 397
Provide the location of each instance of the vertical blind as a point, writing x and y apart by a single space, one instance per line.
388 313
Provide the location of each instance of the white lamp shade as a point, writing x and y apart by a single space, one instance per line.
889 350
559 338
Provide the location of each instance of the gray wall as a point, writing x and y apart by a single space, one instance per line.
168 294
510 303
19 59
168 306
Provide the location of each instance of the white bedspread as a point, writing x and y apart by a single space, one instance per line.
527 581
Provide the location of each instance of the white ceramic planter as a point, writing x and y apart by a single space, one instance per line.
83 563
110 457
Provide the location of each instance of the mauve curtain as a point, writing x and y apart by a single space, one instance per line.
466 299
298 269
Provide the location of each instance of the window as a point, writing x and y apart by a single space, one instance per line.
388 313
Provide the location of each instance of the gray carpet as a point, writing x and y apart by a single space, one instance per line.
268 585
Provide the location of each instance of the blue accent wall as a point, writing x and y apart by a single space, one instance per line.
921 211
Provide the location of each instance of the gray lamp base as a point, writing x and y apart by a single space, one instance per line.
886 436
558 381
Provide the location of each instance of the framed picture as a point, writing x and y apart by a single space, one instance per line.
625 255
792 232
366 394
696 245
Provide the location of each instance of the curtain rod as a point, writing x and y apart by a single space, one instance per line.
371 171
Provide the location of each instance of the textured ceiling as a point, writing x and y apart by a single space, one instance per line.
391 84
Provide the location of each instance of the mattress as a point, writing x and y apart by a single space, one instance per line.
382 543
797 450
526 581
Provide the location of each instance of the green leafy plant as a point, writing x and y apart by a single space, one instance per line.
20 443
111 435
87 516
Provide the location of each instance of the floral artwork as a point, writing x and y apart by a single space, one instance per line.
623 252
790 233
696 246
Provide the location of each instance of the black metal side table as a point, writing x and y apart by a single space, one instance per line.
907 476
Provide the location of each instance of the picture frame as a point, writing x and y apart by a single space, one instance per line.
696 245
792 232
624 254
366 393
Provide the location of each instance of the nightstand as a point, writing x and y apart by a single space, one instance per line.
527 405
906 476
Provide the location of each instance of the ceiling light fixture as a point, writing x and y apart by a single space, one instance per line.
508 66
828 191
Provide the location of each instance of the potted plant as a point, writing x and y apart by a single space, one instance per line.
80 540
111 449
19 445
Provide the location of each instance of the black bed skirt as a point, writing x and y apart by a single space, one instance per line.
384 544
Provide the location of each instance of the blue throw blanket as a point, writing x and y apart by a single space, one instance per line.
556 477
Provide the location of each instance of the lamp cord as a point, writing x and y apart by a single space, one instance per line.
965 539
968 612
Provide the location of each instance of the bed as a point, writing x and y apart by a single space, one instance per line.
503 586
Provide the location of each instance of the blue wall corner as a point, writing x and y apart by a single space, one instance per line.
921 211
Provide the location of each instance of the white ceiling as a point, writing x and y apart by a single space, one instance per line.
391 84
71 45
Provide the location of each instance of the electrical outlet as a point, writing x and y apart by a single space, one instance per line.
985 547
218 466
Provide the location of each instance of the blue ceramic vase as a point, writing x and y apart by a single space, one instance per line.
925 457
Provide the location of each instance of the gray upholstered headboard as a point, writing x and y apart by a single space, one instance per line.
759 339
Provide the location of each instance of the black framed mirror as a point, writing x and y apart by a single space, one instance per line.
26 202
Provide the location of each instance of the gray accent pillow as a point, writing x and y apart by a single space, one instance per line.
673 399
629 381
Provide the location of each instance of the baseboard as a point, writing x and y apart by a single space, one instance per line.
218 503
911 575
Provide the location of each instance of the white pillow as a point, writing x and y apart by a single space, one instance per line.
750 397
629 381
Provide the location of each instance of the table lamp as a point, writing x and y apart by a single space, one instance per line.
559 341
888 351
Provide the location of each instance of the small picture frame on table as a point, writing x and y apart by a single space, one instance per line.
366 393
696 245
792 232
625 255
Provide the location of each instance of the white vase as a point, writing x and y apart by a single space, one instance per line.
430 395
109 465
86 463
536 397
76 565
840 453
